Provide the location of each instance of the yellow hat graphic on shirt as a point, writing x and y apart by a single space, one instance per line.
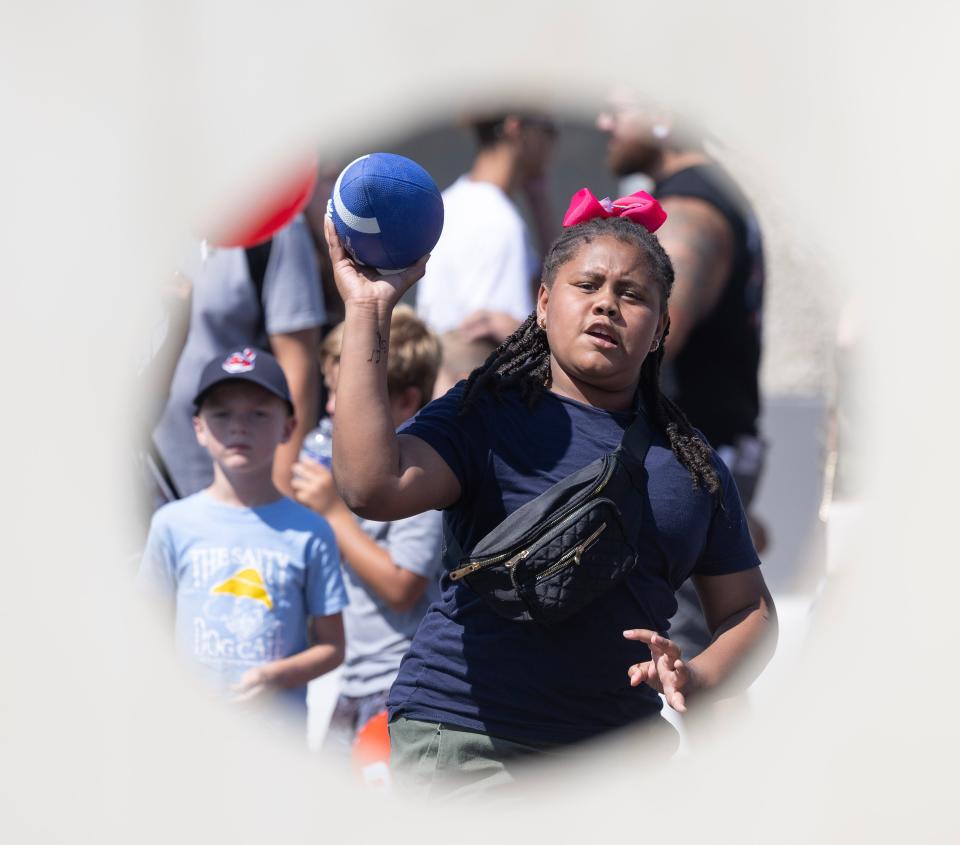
247 583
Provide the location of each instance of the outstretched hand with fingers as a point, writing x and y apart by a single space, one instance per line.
665 671
359 282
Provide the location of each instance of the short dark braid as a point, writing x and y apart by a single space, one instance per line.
522 361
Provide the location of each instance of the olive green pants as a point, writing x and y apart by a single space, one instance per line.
432 760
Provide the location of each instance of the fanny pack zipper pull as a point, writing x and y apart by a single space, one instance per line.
464 570
586 544
517 558
576 553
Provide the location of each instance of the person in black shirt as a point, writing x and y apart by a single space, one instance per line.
478 694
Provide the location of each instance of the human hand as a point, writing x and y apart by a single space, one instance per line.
253 682
665 671
313 486
358 282
483 324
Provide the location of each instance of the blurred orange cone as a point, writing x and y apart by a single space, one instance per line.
371 753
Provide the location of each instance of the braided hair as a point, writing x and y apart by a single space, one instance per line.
522 361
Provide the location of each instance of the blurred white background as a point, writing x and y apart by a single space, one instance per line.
125 124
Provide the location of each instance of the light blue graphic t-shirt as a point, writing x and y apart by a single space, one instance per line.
244 581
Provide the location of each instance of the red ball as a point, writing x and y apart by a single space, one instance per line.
271 211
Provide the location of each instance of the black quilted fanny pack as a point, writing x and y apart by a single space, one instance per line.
569 545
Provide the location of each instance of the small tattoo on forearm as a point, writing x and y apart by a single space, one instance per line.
378 351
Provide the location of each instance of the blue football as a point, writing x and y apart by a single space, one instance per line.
387 211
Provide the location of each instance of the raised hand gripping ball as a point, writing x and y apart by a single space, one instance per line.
387 211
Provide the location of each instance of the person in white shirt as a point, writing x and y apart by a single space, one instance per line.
483 272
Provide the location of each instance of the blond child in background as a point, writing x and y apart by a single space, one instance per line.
254 576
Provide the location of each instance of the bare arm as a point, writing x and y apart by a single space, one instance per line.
740 613
398 587
699 241
296 352
300 668
379 474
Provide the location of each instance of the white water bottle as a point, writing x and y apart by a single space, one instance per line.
318 444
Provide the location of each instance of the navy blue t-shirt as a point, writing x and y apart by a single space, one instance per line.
470 668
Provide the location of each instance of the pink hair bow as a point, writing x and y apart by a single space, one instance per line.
639 207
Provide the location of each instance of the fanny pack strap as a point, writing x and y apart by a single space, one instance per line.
633 451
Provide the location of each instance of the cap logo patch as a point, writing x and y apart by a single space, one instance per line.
240 362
